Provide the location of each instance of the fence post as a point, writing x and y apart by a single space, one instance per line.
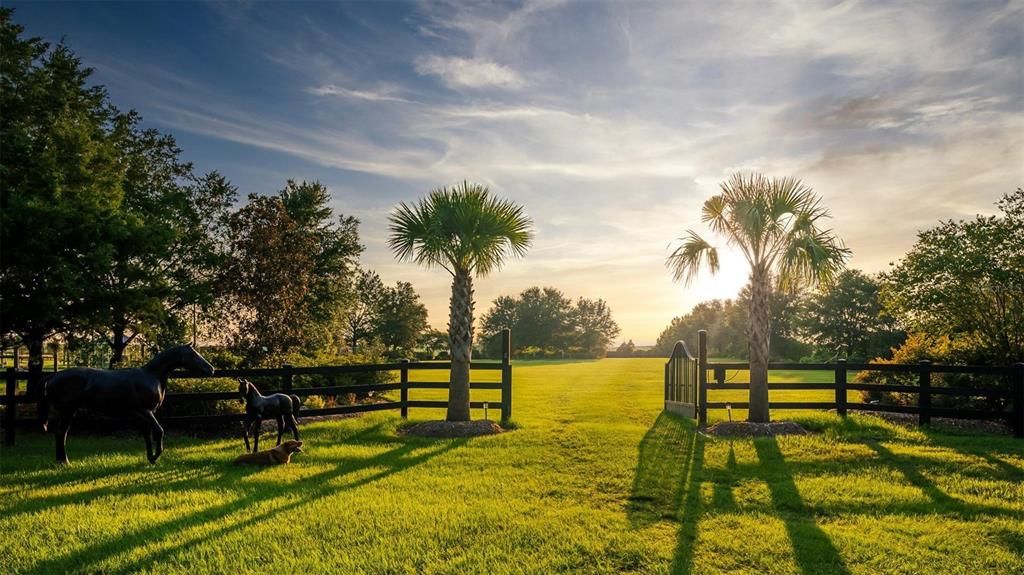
668 369
506 375
11 408
1018 400
702 377
405 387
841 387
719 376
924 399
286 379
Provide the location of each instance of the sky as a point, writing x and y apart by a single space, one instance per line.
611 122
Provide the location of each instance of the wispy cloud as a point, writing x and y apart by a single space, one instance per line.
612 122
469 72
367 95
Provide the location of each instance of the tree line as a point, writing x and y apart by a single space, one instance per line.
107 235
547 324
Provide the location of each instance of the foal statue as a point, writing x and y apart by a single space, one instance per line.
282 407
135 392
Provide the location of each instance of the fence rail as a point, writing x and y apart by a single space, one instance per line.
286 374
1014 396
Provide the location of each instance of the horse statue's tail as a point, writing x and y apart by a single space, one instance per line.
296 404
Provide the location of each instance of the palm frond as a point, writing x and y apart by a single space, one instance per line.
463 228
811 256
688 259
774 222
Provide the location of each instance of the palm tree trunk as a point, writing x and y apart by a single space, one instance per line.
460 341
760 286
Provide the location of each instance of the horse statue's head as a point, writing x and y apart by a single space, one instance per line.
191 360
243 388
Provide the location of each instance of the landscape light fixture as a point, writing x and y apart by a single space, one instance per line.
728 408
486 405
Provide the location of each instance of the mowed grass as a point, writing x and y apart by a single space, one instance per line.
593 480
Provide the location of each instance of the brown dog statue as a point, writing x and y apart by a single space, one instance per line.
277 456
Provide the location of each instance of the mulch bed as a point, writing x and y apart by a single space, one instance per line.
748 429
454 428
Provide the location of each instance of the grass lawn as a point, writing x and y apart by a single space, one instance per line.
594 480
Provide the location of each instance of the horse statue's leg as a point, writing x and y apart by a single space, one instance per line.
245 434
257 427
147 433
280 428
158 435
293 425
60 433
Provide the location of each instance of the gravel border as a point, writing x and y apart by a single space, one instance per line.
991 427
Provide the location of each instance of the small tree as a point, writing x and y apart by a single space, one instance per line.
364 316
626 349
433 341
845 318
290 272
402 318
469 233
775 225
593 326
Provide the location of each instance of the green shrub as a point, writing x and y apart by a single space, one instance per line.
172 407
938 350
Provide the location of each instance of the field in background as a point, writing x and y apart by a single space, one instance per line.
594 480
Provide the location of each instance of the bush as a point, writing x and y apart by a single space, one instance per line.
313 402
213 407
939 350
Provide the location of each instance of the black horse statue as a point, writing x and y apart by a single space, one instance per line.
135 392
285 408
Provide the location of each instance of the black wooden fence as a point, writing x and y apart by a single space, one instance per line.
286 375
678 380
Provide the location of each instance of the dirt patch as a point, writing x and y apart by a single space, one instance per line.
454 428
748 429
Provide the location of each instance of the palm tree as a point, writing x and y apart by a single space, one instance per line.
467 232
775 224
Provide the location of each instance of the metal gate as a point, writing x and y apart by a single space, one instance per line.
681 382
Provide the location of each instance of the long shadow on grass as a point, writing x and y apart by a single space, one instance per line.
667 483
813 550
940 500
662 468
237 512
162 480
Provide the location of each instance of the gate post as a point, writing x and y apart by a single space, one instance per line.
841 387
668 370
286 379
405 387
924 399
702 377
506 375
